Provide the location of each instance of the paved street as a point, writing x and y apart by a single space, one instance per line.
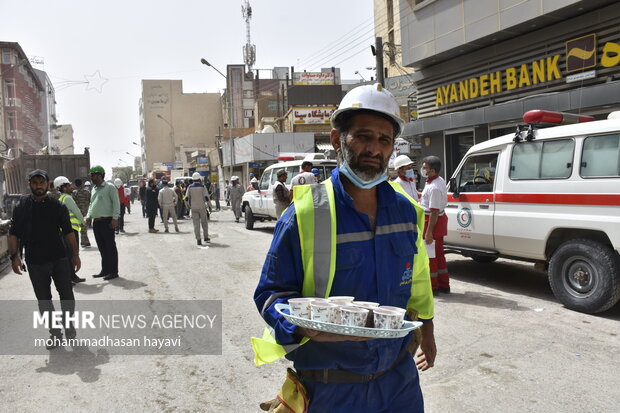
505 344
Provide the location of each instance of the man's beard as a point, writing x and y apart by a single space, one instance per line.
38 191
365 172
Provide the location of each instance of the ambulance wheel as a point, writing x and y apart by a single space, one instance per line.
484 259
249 217
585 276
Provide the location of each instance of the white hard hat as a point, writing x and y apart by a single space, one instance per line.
371 97
87 183
234 178
196 176
402 160
118 182
60 181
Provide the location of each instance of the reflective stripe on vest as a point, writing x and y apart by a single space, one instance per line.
315 209
75 223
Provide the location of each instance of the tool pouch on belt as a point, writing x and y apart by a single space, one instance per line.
416 340
292 398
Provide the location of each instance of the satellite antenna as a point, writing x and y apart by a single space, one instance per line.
249 50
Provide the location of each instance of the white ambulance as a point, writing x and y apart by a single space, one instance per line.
549 196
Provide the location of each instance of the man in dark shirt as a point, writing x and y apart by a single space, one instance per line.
152 204
41 224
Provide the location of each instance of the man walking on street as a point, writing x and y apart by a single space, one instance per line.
75 216
142 194
369 246
82 199
216 195
281 194
103 213
40 224
152 205
124 202
235 192
196 196
178 190
434 200
167 198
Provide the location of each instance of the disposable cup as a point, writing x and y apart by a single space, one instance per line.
398 309
387 319
365 304
341 299
353 316
300 307
323 311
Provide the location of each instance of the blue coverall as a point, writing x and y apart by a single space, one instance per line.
376 269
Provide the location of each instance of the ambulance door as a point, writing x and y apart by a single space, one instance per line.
264 193
470 209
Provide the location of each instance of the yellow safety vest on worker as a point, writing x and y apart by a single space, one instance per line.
75 223
315 210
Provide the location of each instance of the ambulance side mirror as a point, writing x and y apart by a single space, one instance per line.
454 188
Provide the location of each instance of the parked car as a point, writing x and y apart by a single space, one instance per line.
550 196
258 204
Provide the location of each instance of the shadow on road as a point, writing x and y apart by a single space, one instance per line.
481 300
78 360
512 277
217 245
127 284
86 288
267 230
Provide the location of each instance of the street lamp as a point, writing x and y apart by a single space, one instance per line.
174 147
357 72
229 110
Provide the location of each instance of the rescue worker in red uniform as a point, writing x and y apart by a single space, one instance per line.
434 200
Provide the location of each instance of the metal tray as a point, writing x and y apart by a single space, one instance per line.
407 327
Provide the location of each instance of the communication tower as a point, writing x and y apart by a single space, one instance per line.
249 50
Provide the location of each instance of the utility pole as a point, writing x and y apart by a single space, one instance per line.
379 59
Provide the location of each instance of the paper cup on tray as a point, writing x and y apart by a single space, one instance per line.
341 299
300 307
354 316
387 319
323 311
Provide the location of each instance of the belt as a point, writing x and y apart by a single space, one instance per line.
343 376
101 218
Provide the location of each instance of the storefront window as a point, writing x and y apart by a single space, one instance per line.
457 146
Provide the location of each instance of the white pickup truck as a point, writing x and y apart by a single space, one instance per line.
549 196
258 205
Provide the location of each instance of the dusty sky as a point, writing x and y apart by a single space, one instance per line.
130 40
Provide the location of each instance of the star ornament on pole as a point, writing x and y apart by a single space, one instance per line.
95 81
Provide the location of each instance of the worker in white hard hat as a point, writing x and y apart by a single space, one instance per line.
75 216
235 192
406 176
352 235
196 196
124 202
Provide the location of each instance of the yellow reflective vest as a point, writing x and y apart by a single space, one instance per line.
75 222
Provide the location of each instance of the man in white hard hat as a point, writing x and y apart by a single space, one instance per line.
235 192
196 196
75 216
352 235
406 177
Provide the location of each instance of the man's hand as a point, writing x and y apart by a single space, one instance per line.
16 264
321 336
76 263
428 350
428 237
114 223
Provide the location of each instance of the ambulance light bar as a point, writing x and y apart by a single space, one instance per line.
535 117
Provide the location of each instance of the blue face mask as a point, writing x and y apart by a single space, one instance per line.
409 173
356 180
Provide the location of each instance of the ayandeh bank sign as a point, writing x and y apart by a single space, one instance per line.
580 55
